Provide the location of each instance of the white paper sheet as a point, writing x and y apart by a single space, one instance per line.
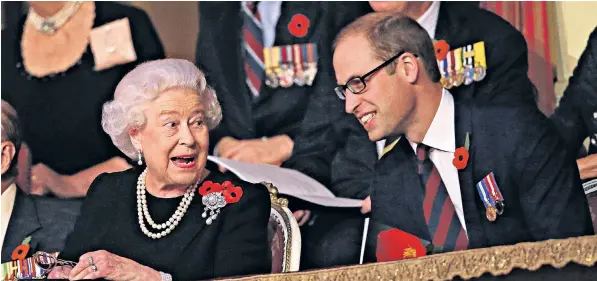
288 182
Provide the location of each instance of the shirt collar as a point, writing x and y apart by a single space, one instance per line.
429 19
441 132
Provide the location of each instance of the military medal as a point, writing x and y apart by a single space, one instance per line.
276 63
283 75
488 201
311 69
469 72
271 79
299 74
480 63
444 75
458 70
495 193
450 70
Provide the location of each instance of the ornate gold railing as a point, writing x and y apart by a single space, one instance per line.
466 264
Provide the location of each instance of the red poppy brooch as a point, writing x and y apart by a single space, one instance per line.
461 155
441 49
217 196
20 253
299 25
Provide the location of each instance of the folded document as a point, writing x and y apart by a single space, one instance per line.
289 182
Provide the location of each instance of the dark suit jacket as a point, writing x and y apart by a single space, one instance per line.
47 220
575 116
277 111
537 178
233 244
333 146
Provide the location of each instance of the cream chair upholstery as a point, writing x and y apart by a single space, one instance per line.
284 235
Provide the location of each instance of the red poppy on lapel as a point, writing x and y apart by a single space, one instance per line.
395 244
441 49
461 154
209 187
460 158
232 193
299 25
20 253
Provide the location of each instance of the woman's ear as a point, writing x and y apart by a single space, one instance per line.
136 137
410 68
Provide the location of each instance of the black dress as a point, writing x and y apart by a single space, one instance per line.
61 115
234 244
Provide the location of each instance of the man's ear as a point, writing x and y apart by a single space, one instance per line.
8 154
410 67
136 138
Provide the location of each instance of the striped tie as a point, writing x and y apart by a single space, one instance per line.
253 46
444 226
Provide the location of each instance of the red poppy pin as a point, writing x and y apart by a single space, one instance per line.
395 244
299 25
461 155
20 253
216 196
441 49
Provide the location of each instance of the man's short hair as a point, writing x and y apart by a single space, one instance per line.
11 131
390 33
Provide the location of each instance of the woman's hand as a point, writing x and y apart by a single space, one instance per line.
60 272
111 267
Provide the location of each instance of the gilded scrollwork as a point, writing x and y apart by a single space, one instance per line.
466 264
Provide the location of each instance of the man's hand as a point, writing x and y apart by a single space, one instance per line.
587 167
273 151
366 205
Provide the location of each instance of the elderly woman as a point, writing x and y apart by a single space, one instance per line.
173 219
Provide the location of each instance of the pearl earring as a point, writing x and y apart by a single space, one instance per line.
140 158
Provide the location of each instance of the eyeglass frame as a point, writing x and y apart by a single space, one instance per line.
340 90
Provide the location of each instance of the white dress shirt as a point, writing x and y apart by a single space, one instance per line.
429 22
441 137
8 202
270 13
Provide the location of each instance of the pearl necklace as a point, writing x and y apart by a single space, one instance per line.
169 225
53 23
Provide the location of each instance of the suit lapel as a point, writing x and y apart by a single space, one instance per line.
23 222
463 124
398 187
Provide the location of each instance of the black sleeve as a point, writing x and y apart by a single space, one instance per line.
579 100
554 204
86 233
243 246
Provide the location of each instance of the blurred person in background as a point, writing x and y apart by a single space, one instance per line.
63 61
576 115
46 221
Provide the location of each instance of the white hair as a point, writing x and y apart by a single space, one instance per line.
144 84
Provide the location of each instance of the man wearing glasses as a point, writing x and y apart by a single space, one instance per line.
388 76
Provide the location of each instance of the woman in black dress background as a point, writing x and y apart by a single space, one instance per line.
52 78
165 222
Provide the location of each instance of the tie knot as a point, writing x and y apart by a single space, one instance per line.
252 6
423 151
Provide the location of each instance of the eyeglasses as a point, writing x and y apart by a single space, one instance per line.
357 84
47 262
